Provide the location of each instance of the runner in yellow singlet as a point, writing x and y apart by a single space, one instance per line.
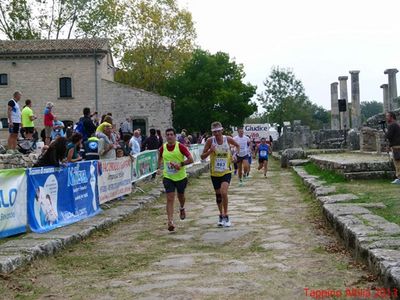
218 148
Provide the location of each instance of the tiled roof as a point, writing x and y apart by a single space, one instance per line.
53 46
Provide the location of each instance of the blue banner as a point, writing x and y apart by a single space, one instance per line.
61 196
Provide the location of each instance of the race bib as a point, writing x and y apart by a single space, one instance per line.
171 169
220 165
263 153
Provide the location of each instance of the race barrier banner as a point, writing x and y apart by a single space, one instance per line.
145 164
12 202
61 196
114 178
196 150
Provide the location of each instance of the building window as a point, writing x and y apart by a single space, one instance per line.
139 124
3 79
65 87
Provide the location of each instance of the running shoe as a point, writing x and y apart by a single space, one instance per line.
182 213
221 221
171 227
227 222
396 181
240 182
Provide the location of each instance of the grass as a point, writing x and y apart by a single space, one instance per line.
368 191
326 175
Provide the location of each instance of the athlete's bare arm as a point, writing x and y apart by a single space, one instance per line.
208 149
231 141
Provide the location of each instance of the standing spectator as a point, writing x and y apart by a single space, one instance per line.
14 121
48 121
54 154
106 146
27 118
151 142
126 126
160 138
139 137
87 123
134 144
73 148
393 136
91 147
58 128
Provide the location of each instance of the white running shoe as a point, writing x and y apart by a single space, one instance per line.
227 222
220 221
396 181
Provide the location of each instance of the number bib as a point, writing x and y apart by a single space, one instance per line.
263 153
170 168
221 164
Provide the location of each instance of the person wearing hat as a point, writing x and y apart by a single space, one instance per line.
48 122
218 148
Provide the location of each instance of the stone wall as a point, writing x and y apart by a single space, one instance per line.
124 101
38 80
12 161
328 139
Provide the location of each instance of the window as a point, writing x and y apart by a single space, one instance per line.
3 79
139 124
65 87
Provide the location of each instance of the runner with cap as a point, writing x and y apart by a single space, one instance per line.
218 148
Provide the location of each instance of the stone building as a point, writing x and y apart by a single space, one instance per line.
74 74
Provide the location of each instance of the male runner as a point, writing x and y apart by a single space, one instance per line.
243 155
218 148
172 157
263 151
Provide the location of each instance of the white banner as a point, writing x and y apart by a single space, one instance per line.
255 131
114 178
13 202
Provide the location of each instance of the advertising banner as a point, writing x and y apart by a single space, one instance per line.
255 131
13 203
196 150
145 164
114 178
61 196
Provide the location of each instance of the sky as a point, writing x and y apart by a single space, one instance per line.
319 40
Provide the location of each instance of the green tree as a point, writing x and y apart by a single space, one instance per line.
210 88
158 40
370 108
284 99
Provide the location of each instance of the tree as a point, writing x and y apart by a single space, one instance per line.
284 99
370 108
158 40
210 88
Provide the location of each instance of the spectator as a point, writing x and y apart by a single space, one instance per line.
134 144
27 118
73 148
119 152
126 126
152 142
393 136
139 138
106 146
100 129
14 121
91 147
160 138
58 129
124 144
88 126
54 154
48 121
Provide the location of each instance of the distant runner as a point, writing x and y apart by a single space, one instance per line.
172 158
243 155
218 148
263 151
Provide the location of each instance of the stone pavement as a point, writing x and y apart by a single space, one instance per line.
275 249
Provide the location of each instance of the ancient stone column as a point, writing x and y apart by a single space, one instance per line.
392 88
385 88
344 120
355 100
335 119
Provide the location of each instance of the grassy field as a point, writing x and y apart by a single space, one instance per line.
368 191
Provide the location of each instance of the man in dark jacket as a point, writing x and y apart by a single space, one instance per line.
88 125
393 136
151 142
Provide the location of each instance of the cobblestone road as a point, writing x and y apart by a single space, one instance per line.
276 247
